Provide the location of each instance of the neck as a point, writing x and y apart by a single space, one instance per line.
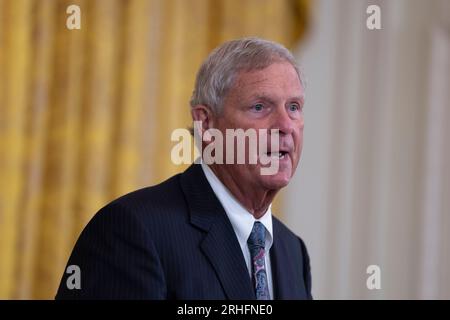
253 198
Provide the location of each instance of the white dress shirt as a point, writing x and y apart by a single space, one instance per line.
242 221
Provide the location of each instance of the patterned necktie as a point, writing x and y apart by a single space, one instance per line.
256 243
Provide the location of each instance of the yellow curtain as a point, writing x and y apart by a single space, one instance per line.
86 115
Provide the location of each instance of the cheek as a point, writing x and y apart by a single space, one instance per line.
299 132
299 142
301 124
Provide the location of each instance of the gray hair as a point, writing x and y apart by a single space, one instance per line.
217 73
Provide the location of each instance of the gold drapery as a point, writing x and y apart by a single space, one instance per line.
86 115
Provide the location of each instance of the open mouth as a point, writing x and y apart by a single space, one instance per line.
279 154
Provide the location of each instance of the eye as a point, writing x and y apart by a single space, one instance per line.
258 107
294 107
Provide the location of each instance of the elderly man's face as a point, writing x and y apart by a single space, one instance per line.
271 98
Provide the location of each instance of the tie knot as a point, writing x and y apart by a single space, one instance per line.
257 237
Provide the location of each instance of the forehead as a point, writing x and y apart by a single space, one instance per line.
278 78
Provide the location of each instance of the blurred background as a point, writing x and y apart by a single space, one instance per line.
86 116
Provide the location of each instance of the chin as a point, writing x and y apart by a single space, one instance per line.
277 181
281 178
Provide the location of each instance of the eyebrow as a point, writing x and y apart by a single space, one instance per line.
265 97
301 98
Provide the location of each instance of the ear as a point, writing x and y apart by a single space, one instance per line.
203 114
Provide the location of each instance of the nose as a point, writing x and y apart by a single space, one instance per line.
283 122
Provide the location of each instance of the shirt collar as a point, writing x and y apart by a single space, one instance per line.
241 219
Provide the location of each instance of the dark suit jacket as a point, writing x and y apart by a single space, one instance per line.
174 241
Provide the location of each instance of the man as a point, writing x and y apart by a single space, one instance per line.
209 233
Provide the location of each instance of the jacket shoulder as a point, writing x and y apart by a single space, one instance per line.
164 192
284 231
155 208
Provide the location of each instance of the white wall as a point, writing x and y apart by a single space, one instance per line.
373 185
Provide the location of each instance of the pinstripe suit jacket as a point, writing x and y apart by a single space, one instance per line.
174 241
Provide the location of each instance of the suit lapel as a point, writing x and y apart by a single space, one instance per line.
220 244
223 250
282 269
